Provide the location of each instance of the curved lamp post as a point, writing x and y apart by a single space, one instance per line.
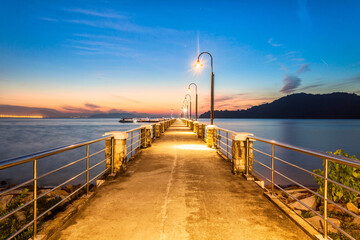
188 95
196 99
198 64
187 107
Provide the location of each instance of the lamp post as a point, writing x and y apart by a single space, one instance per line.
188 95
196 99
187 107
198 64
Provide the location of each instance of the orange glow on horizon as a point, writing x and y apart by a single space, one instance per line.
19 116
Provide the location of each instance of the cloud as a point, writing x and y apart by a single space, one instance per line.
303 68
303 13
105 14
291 83
349 81
48 19
311 86
283 67
298 59
92 106
270 41
270 58
324 62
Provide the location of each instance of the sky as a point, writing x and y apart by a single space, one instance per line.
138 56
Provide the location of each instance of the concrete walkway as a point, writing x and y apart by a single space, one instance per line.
180 189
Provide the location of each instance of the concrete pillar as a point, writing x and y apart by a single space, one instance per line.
240 152
211 136
162 126
157 130
119 157
153 131
191 125
146 136
196 127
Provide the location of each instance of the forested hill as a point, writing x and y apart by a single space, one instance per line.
301 105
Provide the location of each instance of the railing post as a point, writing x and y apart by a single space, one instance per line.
196 127
326 173
87 168
35 197
142 136
157 130
120 150
211 136
242 154
272 168
146 142
227 145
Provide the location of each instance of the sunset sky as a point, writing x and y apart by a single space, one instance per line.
100 56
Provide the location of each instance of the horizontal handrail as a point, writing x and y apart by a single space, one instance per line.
27 158
314 153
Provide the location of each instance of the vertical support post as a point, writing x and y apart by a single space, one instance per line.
35 197
227 145
87 168
147 136
242 154
211 136
157 130
131 143
142 134
272 168
326 172
120 150
112 155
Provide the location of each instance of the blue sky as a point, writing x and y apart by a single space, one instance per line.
86 56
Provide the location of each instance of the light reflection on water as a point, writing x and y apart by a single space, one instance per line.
25 136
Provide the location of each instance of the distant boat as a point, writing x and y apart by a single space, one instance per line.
126 120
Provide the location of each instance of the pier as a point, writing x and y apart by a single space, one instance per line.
180 189
175 179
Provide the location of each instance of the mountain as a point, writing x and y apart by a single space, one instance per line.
301 105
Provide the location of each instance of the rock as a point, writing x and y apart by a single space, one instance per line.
5 200
20 216
356 221
310 201
69 188
56 193
352 208
318 223
335 209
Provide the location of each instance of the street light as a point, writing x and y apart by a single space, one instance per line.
196 99
190 103
198 65
187 107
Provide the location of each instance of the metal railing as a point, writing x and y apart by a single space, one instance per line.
34 158
326 158
224 142
133 145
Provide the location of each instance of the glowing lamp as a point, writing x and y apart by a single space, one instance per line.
198 64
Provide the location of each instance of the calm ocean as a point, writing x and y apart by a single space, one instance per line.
24 136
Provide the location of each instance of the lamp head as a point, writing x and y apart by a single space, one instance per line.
188 89
198 64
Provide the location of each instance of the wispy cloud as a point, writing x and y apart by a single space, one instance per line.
303 12
311 86
291 83
89 12
298 59
270 58
48 19
92 106
324 62
303 68
270 41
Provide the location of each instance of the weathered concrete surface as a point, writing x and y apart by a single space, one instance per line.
180 189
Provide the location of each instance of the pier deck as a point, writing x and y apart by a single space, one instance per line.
180 189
